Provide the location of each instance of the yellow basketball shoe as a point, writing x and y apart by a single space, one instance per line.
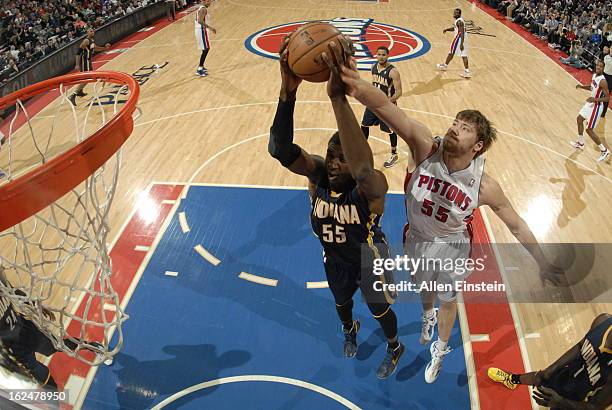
500 376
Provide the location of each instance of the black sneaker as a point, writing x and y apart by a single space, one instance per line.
72 99
389 363
350 340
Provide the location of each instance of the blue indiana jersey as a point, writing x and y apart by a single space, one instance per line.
588 371
10 320
344 225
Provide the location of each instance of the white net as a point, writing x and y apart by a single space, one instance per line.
56 263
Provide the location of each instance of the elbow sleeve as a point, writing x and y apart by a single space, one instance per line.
281 144
285 152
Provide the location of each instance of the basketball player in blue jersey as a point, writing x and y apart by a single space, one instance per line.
577 380
387 78
441 195
202 33
84 61
347 198
459 46
20 339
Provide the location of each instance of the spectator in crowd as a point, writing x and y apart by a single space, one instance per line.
561 22
574 55
607 59
30 30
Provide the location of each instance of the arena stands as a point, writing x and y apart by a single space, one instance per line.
579 28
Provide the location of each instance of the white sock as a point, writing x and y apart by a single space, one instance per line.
581 139
442 345
467 70
429 313
200 68
602 148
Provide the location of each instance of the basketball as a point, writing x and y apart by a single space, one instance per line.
305 48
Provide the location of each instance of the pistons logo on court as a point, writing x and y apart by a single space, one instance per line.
367 35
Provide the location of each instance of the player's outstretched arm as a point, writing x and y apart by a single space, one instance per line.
281 145
492 195
371 183
415 134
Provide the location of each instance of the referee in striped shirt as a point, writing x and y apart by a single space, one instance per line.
84 58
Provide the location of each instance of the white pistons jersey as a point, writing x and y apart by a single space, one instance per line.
596 90
198 26
456 27
440 204
202 34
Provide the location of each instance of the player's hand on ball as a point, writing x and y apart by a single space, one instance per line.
348 70
290 81
553 274
334 58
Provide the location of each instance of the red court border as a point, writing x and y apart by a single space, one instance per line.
126 262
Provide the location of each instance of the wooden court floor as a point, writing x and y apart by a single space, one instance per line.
214 129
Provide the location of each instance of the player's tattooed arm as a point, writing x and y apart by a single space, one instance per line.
492 195
371 183
415 134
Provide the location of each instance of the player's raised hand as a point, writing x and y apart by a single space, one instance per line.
334 59
346 65
290 81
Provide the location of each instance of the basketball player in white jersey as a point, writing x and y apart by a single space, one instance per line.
459 46
592 110
448 184
202 33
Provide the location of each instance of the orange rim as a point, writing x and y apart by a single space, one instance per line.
40 187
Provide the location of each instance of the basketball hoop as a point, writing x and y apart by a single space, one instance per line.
54 207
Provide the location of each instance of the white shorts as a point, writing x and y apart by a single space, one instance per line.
455 48
202 38
592 113
442 262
